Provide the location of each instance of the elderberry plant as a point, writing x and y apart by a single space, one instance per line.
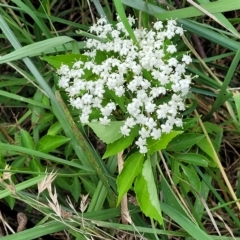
144 85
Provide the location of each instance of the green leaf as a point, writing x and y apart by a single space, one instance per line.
109 133
205 147
35 165
75 188
188 122
10 201
69 59
236 98
146 193
132 167
192 177
55 129
176 175
191 158
170 197
162 143
48 143
26 139
70 184
120 144
184 141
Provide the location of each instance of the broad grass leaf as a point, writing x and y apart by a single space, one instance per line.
48 143
170 197
184 141
10 201
26 139
34 49
194 230
162 143
236 98
176 175
132 166
146 193
191 158
187 123
192 177
70 184
35 165
206 147
69 59
75 188
55 129
109 133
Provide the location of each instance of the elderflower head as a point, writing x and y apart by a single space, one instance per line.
144 81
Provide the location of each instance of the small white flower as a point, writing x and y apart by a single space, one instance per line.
150 107
141 141
64 82
119 91
166 128
171 49
78 64
158 25
187 59
130 122
172 62
84 119
104 121
144 133
178 122
125 130
63 70
143 149
87 98
150 123
156 133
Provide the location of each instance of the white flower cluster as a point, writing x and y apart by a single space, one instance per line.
142 74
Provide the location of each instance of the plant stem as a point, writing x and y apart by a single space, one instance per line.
124 205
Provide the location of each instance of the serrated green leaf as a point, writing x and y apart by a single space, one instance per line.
26 139
48 143
132 167
192 177
109 133
120 144
69 59
146 193
191 158
162 143
184 141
